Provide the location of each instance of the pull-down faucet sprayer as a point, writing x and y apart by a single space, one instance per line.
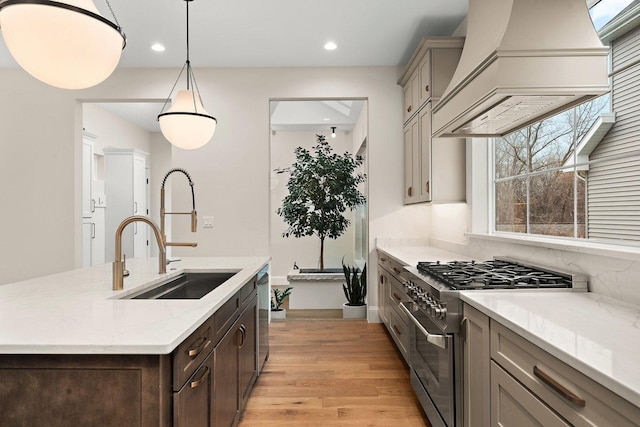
194 217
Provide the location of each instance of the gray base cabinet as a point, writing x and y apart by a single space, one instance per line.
391 294
206 381
527 385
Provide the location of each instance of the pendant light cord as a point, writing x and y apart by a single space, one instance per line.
188 57
115 19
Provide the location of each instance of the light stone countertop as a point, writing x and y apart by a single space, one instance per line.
597 335
77 312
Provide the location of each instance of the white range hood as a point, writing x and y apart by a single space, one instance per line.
523 60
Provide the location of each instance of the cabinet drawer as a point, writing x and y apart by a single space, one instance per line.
383 260
399 329
396 293
188 356
396 268
224 317
513 405
574 396
248 291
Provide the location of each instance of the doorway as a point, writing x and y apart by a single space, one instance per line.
297 123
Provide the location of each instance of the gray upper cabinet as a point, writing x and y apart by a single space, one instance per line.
434 167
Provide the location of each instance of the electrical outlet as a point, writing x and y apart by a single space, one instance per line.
208 222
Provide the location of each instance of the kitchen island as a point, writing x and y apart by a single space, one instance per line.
72 350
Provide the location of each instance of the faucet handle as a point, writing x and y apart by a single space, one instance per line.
125 272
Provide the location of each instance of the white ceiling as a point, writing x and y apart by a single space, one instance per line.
276 33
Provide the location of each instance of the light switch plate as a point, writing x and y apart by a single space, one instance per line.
208 222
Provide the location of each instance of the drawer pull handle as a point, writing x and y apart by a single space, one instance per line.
559 388
383 259
409 109
426 187
381 279
397 297
196 383
396 270
410 191
198 347
426 88
396 330
243 331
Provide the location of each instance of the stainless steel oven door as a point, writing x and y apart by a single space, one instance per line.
431 356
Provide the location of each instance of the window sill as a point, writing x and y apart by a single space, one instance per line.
630 253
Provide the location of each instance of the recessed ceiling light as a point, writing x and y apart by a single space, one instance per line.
326 119
330 46
157 47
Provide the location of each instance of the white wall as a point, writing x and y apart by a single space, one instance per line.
305 251
40 160
113 131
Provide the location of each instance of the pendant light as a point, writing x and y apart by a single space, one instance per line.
187 124
66 43
333 131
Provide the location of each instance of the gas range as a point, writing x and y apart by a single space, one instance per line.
435 311
434 286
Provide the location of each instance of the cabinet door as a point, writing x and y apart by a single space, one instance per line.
383 295
411 162
424 78
140 206
425 153
225 379
88 203
410 97
191 405
476 360
247 352
512 405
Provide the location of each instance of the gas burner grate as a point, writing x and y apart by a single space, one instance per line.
493 274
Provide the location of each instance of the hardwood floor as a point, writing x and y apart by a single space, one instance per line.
332 373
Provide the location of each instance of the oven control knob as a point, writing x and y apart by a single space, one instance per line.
440 312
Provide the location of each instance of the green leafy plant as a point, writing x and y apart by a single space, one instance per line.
356 287
278 297
322 186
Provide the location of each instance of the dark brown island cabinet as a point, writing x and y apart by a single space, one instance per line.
205 381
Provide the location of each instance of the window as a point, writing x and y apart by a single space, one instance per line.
576 175
539 187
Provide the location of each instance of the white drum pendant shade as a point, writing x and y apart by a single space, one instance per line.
61 47
185 125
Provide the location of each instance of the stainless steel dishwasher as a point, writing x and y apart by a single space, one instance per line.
264 305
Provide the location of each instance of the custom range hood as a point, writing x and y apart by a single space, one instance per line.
522 61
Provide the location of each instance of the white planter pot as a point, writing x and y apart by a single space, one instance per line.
354 311
279 314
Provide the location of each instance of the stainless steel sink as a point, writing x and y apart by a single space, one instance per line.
186 286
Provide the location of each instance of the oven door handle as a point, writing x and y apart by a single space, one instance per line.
435 339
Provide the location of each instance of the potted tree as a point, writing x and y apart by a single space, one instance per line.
322 186
277 312
356 291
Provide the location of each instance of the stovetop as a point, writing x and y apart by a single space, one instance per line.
493 274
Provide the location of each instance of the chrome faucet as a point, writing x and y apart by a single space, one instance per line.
194 215
119 265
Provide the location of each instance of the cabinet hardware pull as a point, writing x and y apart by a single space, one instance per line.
198 347
409 109
381 279
93 230
135 207
426 187
410 191
243 331
93 205
196 383
426 88
396 270
383 259
463 328
397 331
559 388
397 297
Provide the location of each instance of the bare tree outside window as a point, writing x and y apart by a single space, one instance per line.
534 193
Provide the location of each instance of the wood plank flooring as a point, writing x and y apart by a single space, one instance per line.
332 373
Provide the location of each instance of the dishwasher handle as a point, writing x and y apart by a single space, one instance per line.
435 339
